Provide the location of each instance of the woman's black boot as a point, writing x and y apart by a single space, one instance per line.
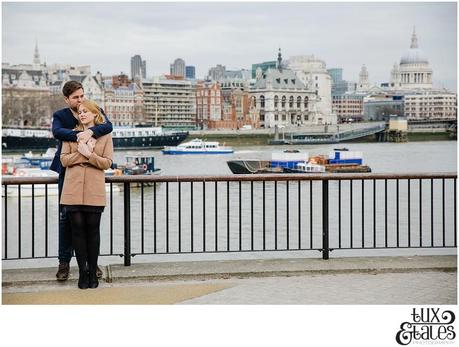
93 281
83 281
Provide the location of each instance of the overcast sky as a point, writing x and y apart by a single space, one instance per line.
238 34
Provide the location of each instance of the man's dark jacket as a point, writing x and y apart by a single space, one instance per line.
63 124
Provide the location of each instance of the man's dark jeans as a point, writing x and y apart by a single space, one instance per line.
65 233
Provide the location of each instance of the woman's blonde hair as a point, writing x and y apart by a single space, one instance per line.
94 108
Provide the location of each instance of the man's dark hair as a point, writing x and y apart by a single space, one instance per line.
70 87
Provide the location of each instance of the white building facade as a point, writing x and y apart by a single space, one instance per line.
281 98
430 106
314 75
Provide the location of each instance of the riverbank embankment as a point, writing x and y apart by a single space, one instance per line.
243 138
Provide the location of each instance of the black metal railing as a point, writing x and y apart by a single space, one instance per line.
243 213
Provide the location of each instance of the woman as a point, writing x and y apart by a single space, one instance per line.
83 194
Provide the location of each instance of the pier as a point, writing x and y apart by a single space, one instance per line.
325 136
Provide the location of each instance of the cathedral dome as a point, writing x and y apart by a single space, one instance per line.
414 56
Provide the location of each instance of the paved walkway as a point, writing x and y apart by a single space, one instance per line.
372 280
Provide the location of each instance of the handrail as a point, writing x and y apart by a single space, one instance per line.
224 178
318 215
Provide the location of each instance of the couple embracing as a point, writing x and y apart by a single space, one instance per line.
84 151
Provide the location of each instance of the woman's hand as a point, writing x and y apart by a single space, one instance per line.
84 136
91 144
84 149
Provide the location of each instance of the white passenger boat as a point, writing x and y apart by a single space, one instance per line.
198 146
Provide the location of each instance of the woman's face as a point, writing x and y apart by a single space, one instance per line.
86 116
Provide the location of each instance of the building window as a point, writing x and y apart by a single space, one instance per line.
284 100
298 102
276 101
262 101
290 102
306 99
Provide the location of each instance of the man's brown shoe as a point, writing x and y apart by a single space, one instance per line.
99 272
63 271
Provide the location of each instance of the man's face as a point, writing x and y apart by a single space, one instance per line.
75 99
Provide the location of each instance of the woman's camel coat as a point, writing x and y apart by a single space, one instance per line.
84 182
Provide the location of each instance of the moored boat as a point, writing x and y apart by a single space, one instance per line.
240 167
17 139
43 161
341 160
280 161
36 190
138 164
151 137
198 146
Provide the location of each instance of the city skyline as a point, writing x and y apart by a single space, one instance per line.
236 35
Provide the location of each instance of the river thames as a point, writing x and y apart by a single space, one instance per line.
412 157
434 156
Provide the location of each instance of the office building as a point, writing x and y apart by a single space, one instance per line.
169 102
348 106
178 68
138 67
125 105
430 105
208 104
190 72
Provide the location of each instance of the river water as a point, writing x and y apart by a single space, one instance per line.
408 157
413 157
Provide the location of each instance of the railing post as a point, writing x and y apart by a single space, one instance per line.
325 220
127 224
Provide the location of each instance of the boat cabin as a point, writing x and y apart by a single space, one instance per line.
198 144
145 161
310 168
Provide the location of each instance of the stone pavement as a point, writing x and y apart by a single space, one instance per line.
353 289
416 280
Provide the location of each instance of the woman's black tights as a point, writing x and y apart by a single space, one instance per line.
86 238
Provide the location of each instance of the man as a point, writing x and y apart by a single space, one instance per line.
64 121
